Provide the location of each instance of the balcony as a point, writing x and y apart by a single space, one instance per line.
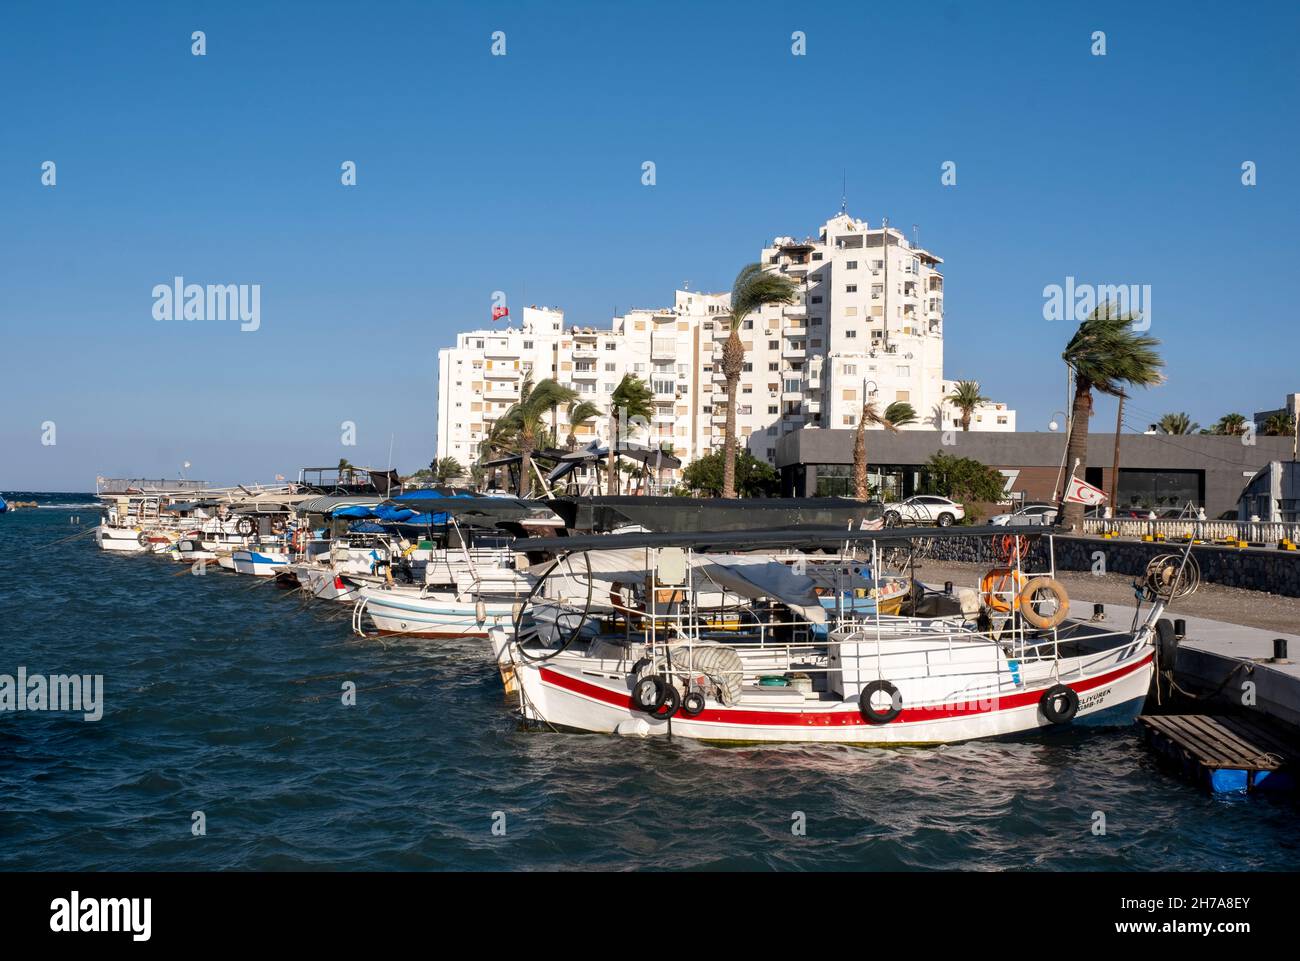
501 373
500 348
585 352
585 373
500 391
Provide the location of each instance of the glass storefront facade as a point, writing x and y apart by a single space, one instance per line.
1160 489
888 482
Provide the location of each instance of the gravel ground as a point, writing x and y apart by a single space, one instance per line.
1269 612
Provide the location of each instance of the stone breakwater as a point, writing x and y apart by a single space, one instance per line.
1268 571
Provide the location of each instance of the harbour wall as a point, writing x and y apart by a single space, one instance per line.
1268 570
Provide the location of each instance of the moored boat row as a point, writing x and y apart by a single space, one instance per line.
683 617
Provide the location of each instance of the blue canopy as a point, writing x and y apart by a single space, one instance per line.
389 514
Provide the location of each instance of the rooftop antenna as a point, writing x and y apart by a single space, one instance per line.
916 235
844 191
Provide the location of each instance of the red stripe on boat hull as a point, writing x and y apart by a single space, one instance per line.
837 718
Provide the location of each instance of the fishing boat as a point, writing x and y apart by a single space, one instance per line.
469 584
957 667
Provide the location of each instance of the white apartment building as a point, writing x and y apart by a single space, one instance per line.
868 318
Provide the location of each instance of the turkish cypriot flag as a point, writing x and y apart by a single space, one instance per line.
1081 492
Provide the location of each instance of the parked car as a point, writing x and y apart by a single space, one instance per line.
924 509
1031 515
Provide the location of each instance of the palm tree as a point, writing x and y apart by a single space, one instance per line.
498 439
579 414
900 413
870 415
1279 424
447 469
754 288
1233 425
966 397
631 399
526 421
1178 423
1105 353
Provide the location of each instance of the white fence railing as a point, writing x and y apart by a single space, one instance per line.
1262 532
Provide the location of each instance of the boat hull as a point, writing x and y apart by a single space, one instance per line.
408 615
259 563
122 540
581 697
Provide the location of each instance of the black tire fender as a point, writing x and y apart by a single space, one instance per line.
693 704
1166 644
649 694
668 707
1059 704
869 713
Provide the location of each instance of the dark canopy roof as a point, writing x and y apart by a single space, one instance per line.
767 540
483 511
599 514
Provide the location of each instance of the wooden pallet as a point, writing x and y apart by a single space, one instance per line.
1223 753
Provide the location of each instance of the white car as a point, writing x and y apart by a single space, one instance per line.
928 509
1031 515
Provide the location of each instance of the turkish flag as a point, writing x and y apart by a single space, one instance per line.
499 312
1081 492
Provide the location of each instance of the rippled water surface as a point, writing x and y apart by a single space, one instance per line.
222 695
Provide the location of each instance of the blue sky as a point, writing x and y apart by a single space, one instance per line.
523 173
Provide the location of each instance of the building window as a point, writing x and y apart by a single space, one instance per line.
850 288
851 334
773 345
816 300
851 265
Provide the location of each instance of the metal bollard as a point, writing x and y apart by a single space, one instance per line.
1180 628
1279 650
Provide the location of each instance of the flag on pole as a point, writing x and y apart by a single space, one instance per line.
1081 492
498 312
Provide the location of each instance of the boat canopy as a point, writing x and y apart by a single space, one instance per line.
489 512
185 506
693 514
594 453
751 577
328 504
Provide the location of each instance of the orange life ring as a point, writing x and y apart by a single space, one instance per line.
1000 589
1029 594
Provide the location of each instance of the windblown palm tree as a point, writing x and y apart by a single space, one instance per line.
1107 354
631 400
526 421
966 397
870 416
579 414
1233 425
446 470
900 413
1178 423
754 288
498 440
1279 424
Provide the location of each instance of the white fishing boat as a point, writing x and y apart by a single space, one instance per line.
468 582
1006 661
